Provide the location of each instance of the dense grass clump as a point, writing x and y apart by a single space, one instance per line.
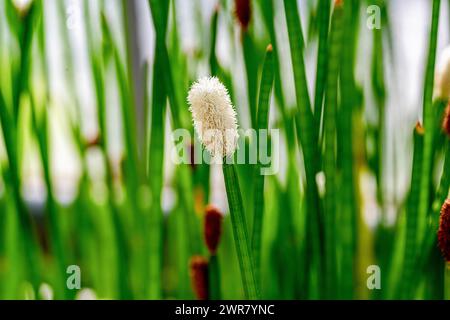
245 149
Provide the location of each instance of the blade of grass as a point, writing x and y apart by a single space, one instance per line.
429 116
251 288
25 37
135 75
213 63
269 19
379 90
185 176
40 127
160 15
258 188
251 67
412 216
122 286
329 157
324 9
287 124
307 137
348 215
8 125
214 278
131 108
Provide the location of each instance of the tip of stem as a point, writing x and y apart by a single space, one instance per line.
269 48
217 7
419 128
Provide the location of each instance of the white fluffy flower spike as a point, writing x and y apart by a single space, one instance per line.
442 82
214 116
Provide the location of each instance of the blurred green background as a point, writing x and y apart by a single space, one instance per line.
91 90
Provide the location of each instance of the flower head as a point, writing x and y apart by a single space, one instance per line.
23 7
243 12
442 82
213 228
198 268
446 123
214 116
444 230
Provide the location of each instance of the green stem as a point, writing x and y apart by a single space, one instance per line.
324 8
307 137
429 242
240 233
41 131
329 158
251 67
348 216
412 217
122 254
262 124
214 279
429 116
447 281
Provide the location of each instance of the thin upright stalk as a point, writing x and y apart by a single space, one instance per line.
447 281
58 248
412 217
329 157
214 278
97 65
307 137
429 116
324 9
239 224
262 124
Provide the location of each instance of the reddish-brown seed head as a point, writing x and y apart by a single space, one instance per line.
213 228
243 12
444 230
446 123
338 3
198 269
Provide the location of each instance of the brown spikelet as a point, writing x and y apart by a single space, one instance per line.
446 123
243 12
420 129
94 141
198 269
338 3
444 230
213 228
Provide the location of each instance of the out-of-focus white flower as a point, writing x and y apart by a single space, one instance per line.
22 6
45 292
320 181
442 81
86 294
214 116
